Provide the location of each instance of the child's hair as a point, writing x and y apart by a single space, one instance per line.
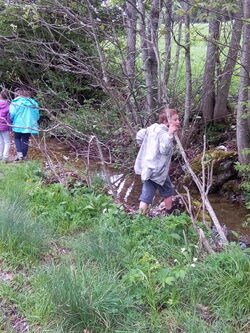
5 94
165 114
22 91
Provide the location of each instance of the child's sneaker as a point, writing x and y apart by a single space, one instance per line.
18 157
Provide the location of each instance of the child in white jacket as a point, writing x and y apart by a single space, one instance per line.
154 158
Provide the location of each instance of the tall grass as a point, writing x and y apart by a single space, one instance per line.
88 298
189 320
121 273
103 247
20 237
222 283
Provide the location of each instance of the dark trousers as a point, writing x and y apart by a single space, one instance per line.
22 142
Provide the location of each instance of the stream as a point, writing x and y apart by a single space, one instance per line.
128 187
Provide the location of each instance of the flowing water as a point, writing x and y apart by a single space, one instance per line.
128 187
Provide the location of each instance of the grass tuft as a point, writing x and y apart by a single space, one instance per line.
20 237
88 298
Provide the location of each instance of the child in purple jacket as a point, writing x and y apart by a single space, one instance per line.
4 128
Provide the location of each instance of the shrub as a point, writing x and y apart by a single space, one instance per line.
64 212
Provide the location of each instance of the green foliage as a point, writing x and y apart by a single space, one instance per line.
21 239
90 298
215 133
245 184
63 211
89 119
192 320
142 250
17 181
221 282
118 272
156 261
103 246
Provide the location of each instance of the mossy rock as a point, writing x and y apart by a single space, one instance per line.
231 190
223 166
232 186
218 157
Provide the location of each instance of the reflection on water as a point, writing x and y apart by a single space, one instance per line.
231 214
128 187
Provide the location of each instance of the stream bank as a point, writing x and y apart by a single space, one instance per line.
128 186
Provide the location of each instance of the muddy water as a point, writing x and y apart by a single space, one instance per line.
231 214
128 187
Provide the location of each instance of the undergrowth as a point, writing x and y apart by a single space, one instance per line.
97 269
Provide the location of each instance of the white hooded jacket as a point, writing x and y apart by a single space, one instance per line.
154 157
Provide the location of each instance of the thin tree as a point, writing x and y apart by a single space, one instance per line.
208 94
243 100
177 58
188 94
221 107
130 70
168 21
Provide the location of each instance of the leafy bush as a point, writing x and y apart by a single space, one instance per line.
63 211
245 174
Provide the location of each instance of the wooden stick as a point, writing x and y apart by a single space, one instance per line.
111 187
202 238
201 190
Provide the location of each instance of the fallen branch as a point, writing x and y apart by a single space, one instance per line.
203 193
111 187
202 238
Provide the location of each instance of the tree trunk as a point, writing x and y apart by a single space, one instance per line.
152 46
131 18
208 95
243 101
177 57
168 34
188 69
221 109
145 56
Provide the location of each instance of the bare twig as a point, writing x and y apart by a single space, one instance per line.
202 238
203 194
111 187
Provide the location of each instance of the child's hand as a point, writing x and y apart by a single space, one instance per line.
173 128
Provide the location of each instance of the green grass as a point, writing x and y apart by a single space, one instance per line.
20 237
98 268
222 282
65 211
88 297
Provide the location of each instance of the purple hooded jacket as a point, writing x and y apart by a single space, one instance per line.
4 116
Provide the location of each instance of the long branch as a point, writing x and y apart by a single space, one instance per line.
201 190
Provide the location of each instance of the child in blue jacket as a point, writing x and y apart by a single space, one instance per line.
24 114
